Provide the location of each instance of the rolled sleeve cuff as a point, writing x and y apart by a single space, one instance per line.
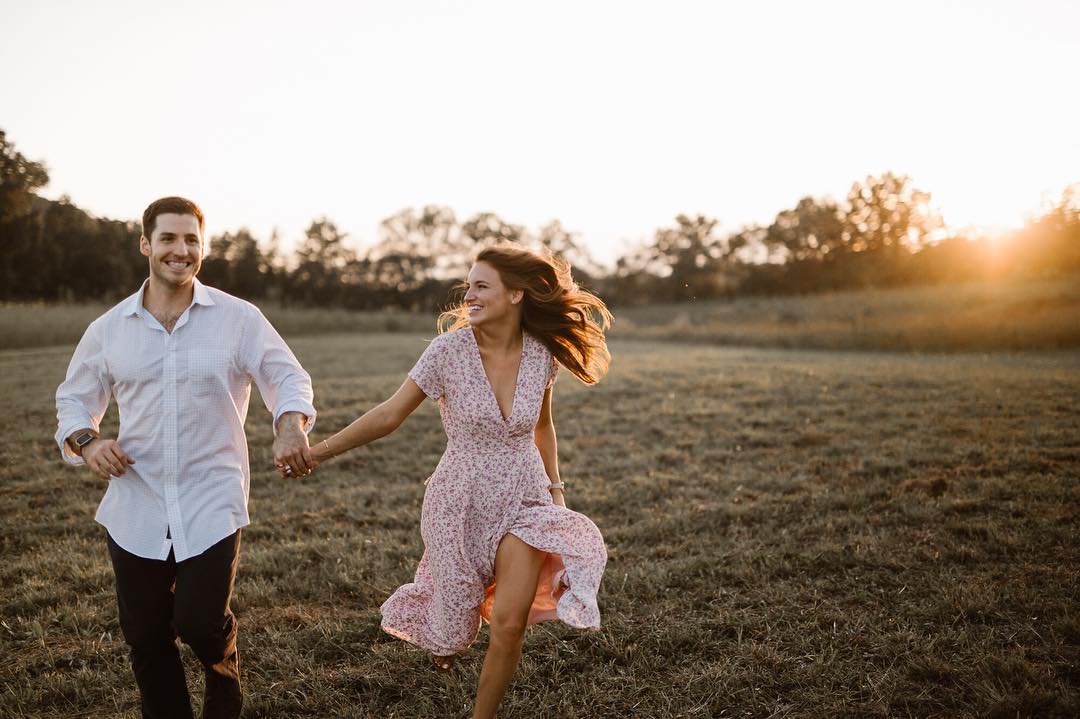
303 408
66 431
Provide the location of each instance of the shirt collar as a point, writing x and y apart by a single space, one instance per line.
202 295
134 305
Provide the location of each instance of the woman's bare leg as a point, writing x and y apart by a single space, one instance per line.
517 570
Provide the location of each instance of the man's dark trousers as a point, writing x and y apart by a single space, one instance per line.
160 600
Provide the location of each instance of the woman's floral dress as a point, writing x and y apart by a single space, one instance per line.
489 483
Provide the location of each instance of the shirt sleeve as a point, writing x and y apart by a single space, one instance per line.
427 373
83 396
282 382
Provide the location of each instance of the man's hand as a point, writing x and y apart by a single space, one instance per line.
292 456
105 458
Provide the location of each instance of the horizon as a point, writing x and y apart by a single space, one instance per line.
623 117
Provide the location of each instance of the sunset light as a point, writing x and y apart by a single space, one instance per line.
594 358
610 117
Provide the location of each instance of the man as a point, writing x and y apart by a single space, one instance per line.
179 358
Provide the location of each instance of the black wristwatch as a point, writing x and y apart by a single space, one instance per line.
82 440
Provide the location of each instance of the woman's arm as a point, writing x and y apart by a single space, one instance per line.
544 436
377 422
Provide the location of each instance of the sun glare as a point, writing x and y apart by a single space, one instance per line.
990 209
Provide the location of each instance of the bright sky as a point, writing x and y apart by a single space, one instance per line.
610 116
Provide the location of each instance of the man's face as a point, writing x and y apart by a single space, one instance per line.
174 248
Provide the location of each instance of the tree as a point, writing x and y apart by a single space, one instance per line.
889 213
28 265
811 230
487 228
276 274
428 241
560 241
19 178
323 258
237 265
633 282
692 257
1050 243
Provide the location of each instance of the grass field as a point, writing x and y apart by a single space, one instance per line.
791 534
964 317
25 326
1028 314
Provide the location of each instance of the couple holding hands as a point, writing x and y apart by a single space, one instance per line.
179 358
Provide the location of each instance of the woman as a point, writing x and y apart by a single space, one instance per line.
494 508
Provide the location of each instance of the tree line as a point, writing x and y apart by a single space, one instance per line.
884 233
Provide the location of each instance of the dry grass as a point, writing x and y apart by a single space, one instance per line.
791 535
976 316
33 325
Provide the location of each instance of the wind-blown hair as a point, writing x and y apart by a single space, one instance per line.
569 321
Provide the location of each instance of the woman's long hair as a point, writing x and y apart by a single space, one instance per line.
569 321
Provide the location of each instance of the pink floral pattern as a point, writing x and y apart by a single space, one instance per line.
490 482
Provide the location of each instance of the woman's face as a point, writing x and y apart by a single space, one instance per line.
488 299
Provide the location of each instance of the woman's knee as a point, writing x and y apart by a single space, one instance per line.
507 630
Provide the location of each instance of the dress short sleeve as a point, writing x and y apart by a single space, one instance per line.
553 372
427 373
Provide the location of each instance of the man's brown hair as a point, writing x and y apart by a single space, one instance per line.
170 205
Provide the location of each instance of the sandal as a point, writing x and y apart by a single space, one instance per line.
443 664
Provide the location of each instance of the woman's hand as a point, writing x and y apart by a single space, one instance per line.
558 498
320 452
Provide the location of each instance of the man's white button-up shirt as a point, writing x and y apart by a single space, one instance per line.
182 399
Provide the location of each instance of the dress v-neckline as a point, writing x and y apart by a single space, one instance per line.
491 387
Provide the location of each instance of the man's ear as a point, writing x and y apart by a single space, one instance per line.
144 245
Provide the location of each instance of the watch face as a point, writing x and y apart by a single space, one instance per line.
83 439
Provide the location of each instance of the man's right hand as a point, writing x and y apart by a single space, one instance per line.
105 458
